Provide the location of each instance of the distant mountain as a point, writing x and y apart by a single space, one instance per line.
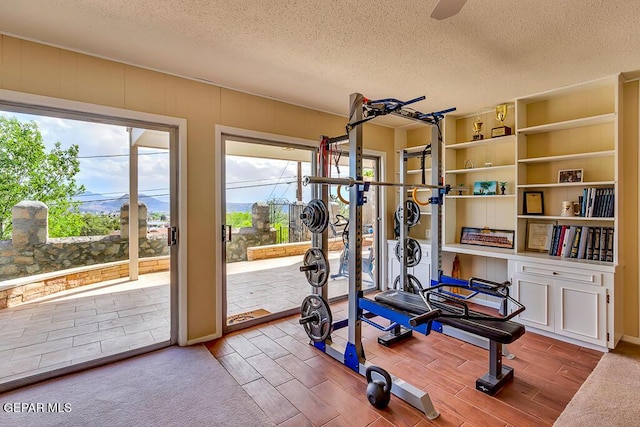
96 203
239 207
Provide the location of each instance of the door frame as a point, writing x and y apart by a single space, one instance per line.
221 133
177 127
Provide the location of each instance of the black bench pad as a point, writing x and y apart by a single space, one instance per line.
503 332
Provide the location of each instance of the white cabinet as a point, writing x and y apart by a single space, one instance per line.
567 302
422 271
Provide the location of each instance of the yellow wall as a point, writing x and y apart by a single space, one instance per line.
42 70
629 192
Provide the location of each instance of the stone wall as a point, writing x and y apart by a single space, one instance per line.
40 286
259 234
32 252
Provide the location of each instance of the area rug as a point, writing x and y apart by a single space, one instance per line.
611 394
177 386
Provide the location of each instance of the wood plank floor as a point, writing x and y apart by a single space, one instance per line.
298 385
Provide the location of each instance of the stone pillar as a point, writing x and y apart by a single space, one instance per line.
260 216
142 221
30 224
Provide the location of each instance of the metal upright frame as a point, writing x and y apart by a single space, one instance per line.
352 355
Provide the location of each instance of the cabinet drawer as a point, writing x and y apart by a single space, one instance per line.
560 273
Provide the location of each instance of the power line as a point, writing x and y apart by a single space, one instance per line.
260 180
281 175
262 185
119 155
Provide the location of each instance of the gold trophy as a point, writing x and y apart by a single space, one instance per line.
501 114
477 127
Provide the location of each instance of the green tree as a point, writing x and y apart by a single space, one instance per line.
28 172
99 225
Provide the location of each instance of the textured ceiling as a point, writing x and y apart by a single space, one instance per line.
315 53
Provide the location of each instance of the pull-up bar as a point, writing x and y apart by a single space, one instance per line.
349 182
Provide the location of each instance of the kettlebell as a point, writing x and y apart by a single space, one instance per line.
378 391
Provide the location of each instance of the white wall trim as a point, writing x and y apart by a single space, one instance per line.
204 338
120 113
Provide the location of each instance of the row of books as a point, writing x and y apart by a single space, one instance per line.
597 202
582 242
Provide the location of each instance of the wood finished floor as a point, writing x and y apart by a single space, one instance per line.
298 385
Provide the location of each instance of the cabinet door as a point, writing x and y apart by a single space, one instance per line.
536 294
581 312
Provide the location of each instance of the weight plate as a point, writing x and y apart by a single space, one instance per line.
414 284
414 252
315 216
318 275
315 316
412 213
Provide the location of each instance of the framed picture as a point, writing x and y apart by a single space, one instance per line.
538 235
533 203
570 175
485 188
487 237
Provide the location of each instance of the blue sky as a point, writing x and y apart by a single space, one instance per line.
100 174
104 164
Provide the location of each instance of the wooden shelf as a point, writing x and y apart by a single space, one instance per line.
472 196
480 143
484 169
566 218
608 153
568 184
569 124
484 251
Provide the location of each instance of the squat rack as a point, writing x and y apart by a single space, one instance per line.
362 110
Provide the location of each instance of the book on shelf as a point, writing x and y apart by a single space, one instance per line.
575 243
589 253
583 242
609 256
582 246
596 244
597 202
603 243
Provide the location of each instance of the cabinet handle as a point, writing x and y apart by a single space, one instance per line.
555 273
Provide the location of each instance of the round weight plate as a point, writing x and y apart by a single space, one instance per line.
414 252
319 328
315 216
412 213
316 277
414 284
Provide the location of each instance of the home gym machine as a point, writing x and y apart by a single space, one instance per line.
406 307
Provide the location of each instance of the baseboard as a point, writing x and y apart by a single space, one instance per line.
203 339
630 339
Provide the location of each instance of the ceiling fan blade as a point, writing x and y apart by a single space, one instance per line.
447 8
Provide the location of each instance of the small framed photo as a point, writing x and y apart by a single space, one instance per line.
569 175
487 237
538 235
485 188
533 203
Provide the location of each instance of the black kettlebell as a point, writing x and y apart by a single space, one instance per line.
378 392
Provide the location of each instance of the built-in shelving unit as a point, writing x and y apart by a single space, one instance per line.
577 129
